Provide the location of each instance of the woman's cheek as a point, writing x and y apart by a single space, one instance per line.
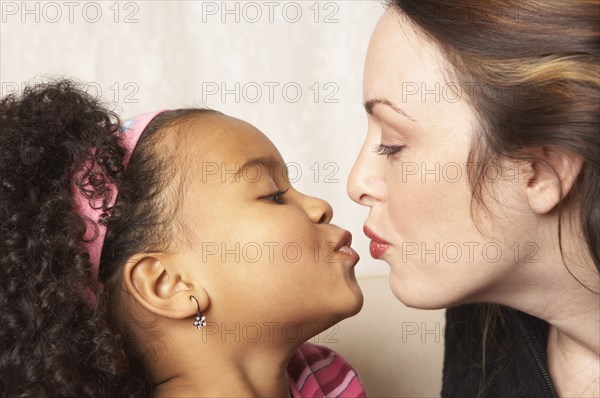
409 199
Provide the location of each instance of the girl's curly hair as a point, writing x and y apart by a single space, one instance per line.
51 342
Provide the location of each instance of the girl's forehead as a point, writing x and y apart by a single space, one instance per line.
221 138
224 154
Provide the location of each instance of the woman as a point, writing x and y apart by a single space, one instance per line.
486 201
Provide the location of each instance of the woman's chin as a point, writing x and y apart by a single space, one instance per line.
416 295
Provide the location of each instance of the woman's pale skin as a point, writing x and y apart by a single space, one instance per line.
259 306
420 202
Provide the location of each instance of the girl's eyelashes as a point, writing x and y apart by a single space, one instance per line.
276 196
388 150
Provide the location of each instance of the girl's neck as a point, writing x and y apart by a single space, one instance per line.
219 371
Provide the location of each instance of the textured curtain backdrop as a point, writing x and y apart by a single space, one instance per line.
291 68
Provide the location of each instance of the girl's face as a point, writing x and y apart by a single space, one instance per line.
265 259
420 197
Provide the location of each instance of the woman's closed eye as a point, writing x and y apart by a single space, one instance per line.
276 196
388 150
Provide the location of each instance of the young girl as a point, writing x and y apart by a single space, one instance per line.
165 256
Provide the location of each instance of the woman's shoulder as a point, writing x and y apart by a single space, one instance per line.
317 371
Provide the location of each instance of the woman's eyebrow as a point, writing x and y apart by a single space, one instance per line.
372 102
267 161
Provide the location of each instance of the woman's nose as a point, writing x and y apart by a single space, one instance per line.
365 185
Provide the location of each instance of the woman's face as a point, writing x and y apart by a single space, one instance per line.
264 259
419 197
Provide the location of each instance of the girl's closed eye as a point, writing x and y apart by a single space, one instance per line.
276 196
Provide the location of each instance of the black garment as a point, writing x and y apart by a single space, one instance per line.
515 359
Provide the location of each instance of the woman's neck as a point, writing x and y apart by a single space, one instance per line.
561 287
566 296
575 370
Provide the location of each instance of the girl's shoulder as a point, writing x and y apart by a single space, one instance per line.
317 371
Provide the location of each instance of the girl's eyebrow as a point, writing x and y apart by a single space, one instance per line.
267 161
372 102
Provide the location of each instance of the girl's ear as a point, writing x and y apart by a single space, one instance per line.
551 179
161 288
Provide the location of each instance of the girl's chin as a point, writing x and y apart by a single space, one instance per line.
353 305
355 300
347 309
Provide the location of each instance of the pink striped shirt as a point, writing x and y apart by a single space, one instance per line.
318 372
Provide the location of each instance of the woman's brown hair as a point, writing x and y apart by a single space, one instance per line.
533 69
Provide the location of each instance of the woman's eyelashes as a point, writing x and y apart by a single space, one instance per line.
387 150
276 196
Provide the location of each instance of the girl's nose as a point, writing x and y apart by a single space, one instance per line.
318 210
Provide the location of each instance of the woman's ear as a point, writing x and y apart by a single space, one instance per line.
158 284
551 178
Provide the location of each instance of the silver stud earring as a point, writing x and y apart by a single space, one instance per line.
200 321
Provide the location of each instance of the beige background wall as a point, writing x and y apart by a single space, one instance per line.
397 351
143 55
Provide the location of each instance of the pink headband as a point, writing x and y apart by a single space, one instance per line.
91 211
